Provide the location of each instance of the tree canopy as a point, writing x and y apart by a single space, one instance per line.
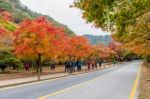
128 20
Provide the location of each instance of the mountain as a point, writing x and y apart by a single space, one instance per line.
20 12
99 39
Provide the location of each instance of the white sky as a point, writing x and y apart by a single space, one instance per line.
60 11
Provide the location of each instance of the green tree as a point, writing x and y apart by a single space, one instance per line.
8 59
5 6
128 20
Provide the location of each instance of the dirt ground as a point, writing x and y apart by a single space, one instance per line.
11 74
144 92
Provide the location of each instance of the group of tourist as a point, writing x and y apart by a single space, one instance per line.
72 66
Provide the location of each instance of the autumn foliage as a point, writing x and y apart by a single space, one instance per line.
39 40
6 15
37 37
102 52
80 46
2 31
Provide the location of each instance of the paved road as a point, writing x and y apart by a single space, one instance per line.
111 83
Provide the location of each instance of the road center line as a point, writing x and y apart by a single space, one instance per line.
82 84
48 80
72 87
67 89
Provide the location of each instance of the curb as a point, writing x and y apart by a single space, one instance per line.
38 80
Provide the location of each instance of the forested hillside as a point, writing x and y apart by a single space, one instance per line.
99 39
20 12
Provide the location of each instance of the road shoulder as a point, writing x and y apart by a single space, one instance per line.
144 88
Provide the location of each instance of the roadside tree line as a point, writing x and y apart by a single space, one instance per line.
39 40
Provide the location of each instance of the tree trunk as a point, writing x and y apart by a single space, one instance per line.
38 61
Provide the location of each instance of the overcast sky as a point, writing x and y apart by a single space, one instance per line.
61 12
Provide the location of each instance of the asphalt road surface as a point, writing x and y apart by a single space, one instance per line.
112 83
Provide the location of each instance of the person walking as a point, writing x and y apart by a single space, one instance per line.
100 63
66 66
53 66
74 65
79 64
27 66
114 62
93 64
2 67
89 65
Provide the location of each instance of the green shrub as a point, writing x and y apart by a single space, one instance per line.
5 6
